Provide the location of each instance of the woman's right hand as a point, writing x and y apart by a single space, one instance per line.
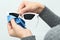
27 6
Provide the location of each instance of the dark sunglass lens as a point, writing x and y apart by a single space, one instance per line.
14 14
28 16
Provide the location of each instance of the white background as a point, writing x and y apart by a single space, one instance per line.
39 31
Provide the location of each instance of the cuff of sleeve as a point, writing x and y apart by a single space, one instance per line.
29 38
44 12
49 17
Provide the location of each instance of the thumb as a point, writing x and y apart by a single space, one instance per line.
14 25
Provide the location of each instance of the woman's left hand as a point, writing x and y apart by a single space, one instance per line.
15 30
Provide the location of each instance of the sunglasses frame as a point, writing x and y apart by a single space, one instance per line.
28 13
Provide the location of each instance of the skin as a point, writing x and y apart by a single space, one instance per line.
27 6
15 30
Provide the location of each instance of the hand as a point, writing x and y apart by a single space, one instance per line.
15 30
26 6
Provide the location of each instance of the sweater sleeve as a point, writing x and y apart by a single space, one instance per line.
49 17
29 38
53 34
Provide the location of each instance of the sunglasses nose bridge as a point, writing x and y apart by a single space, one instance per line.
22 17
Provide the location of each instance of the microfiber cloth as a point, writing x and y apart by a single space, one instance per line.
10 17
19 21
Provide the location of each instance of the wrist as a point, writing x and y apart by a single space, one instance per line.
40 8
26 35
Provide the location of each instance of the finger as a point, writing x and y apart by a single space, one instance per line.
10 30
9 26
14 25
24 10
21 6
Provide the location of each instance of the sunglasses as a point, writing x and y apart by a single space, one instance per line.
27 16
14 14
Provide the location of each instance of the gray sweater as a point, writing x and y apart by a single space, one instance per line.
53 21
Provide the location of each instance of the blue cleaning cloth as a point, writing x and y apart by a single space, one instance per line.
19 21
10 17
